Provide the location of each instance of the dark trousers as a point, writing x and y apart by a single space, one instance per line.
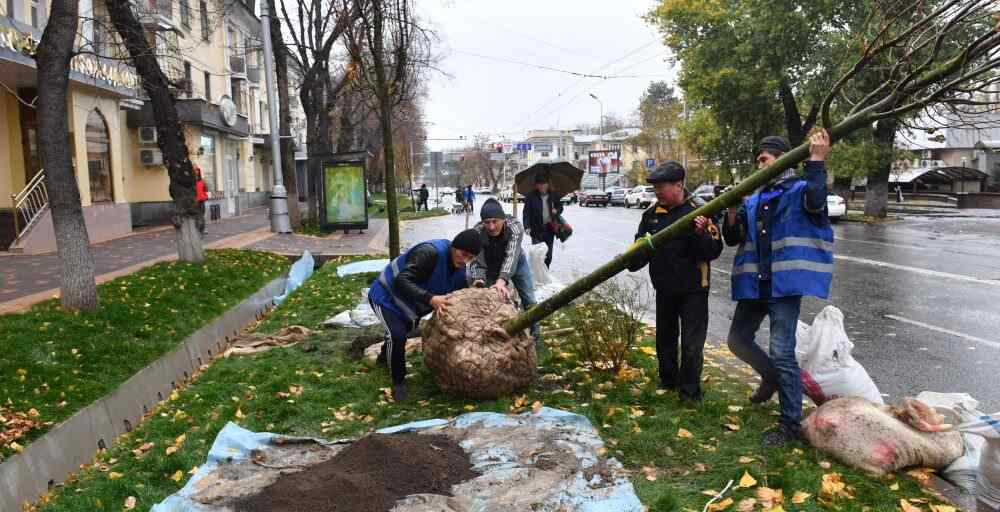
201 217
394 346
686 315
777 367
548 237
422 203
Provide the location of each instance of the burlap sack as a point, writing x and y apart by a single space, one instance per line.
882 439
468 352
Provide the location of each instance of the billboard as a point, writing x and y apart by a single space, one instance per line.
344 194
604 162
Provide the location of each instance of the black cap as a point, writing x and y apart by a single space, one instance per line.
774 144
469 241
541 177
491 209
668 172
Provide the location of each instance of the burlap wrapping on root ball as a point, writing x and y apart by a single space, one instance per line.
468 352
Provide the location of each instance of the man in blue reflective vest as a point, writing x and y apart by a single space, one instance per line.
785 251
413 285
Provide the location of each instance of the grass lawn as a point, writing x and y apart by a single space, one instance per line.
54 363
676 453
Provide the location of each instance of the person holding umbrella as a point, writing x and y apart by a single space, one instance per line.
541 211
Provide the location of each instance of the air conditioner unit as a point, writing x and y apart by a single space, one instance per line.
147 135
150 157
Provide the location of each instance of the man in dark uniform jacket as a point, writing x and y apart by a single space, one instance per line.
680 274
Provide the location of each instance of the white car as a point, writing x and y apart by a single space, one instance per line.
641 196
835 207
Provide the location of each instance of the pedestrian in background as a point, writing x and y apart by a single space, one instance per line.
785 251
681 276
413 285
460 196
423 195
540 210
470 199
200 195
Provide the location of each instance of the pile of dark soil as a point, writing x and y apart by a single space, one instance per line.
368 476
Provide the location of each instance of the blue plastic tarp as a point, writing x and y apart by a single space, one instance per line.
361 267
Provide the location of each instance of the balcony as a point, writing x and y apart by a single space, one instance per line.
155 14
238 67
254 74
192 111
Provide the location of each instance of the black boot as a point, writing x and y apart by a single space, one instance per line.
764 393
780 436
399 392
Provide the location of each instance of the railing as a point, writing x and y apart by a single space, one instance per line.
29 204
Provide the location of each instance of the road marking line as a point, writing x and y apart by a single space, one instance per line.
917 270
887 244
964 336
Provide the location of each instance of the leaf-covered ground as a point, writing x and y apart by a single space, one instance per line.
678 454
53 363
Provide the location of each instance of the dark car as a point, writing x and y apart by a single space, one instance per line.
594 197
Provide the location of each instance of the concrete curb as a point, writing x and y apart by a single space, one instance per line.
50 459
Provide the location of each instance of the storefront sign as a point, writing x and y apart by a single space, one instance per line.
112 72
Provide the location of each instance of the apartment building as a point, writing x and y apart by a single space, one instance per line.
209 48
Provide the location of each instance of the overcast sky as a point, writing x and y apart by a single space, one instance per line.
486 93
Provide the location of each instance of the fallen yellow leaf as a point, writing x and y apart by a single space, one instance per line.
770 498
942 508
16 447
180 439
824 464
239 413
700 468
130 503
894 487
906 506
732 426
800 497
684 433
777 508
114 476
746 481
746 505
710 492
177 476
171 449
833 487
536 406
649 351
470 407
735 408
660 392
650 473
721 505
746 460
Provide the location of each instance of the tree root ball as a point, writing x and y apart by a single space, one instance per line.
469 353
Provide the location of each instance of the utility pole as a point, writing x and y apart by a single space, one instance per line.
600 138
279 197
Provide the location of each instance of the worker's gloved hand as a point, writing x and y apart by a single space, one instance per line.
501 286
438 302
701 223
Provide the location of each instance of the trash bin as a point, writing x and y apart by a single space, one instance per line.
214 212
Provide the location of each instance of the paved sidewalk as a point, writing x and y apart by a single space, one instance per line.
29 278
373 241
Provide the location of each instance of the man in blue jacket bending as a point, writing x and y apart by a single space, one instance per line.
413 285
785 251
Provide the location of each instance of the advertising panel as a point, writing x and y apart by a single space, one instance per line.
344 191
604 162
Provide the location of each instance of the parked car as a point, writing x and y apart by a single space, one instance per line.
641 196
483 191
705 192
568 198
617 196
835 207
592 197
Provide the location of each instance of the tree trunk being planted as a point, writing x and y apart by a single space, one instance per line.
78 290
170 136
678 228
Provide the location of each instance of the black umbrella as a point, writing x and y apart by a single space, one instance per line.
564 178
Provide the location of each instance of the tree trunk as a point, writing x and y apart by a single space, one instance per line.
793 119
842 187
877 194
78 289
170 135
319 133
642 248
384 95
288 174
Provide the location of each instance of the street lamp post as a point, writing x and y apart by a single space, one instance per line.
600 138
279 198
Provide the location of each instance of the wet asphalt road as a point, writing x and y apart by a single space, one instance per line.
921 297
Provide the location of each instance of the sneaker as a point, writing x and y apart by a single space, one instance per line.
399 392
763 393
780 436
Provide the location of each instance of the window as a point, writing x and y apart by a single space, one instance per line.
239 98
98 158
208 87
186 13
262 113
188 85
10 9
208 162
206 31
34 13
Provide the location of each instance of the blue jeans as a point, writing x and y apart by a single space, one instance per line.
779 369
525 284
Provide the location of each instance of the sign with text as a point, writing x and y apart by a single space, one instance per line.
523 146
650 163
604 162
543 147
